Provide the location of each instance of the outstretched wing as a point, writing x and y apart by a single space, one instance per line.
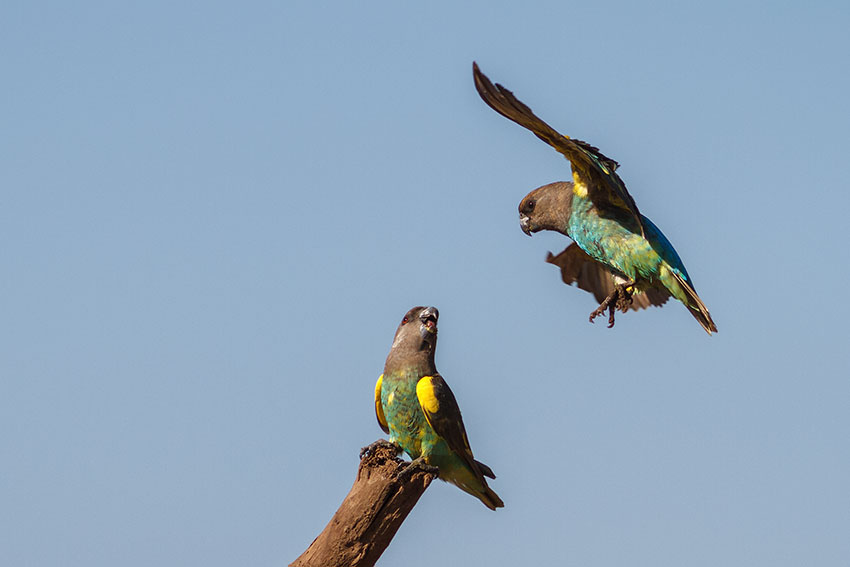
379 410
594 169
443 415
588 274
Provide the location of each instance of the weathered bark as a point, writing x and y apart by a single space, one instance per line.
370 515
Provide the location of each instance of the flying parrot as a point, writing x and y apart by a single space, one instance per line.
415 406
618 254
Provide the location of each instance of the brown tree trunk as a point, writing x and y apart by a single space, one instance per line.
370 515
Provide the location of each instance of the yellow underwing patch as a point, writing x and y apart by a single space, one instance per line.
579 186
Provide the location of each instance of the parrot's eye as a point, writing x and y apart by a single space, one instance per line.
529 205
405 321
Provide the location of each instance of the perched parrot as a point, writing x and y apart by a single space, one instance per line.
619 255
417 409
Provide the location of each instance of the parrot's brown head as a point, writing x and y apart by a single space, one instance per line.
415 339
547 208
417 330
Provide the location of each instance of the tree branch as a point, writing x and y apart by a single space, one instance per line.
371 514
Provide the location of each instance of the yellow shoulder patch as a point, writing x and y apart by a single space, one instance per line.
379 410
425 393
579 186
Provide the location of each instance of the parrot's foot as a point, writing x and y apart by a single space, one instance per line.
620 298
369 449
415 465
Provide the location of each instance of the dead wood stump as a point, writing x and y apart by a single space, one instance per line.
371 514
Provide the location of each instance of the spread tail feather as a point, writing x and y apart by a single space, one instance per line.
485 470
487 496
471 480
490 498
695 305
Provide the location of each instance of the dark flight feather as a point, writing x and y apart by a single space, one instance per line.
597 171
448 423
588 274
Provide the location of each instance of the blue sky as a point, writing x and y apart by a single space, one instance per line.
214 216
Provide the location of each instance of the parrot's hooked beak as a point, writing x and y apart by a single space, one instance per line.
524 224
428 319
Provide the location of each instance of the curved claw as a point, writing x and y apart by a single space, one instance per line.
416 465
596 313
620 298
